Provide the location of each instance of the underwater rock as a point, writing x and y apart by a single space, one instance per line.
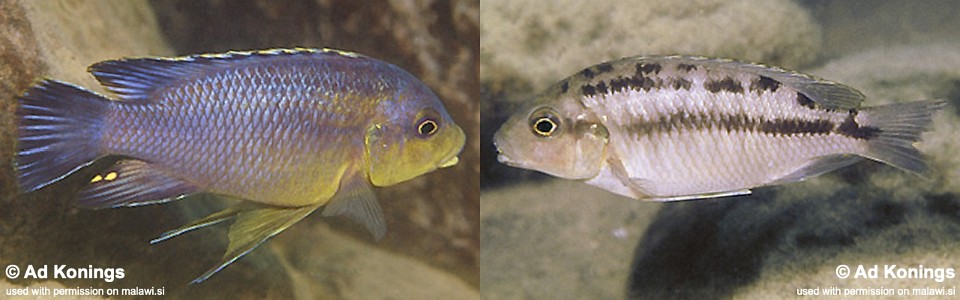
432 220
349 268
784 238
542 42
558 239
901 23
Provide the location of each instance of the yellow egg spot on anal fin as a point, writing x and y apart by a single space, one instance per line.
110 176
96 179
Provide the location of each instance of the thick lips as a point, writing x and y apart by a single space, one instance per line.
501 157
453 160
450 162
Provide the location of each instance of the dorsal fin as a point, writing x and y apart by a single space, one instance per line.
829 94
136 79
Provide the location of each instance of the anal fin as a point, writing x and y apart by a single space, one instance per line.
818 166
131 182
356 201
640 187
254 225
703 196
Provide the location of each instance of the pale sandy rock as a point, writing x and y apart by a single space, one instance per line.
545 41
558 240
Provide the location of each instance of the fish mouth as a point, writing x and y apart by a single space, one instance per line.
450 162
503 159
501 156
452 159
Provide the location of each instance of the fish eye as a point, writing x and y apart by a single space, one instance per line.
544 122
427 123
427 127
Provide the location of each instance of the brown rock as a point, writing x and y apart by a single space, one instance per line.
433 219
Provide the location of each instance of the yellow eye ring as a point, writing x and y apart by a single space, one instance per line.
427 127
544 126
544 122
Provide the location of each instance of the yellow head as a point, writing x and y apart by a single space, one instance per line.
417 136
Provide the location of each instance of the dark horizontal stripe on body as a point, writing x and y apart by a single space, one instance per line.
683 121
850 128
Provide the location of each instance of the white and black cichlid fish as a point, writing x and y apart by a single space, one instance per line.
677 128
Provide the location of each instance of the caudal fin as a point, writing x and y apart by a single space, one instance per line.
900 125
59 132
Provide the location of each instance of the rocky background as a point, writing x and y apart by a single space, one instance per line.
432 244
557 239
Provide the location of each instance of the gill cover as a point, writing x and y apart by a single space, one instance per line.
568 145
400 152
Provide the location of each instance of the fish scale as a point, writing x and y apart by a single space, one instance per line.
667 101
286 131
677 128
240 155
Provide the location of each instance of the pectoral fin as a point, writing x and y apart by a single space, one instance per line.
356 201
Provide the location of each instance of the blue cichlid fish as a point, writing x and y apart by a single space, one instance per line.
286 130
677 128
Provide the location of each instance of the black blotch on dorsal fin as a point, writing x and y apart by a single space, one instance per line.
648 68
604 68
764 83
805 101
587 73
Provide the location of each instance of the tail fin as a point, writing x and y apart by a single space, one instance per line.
900 125
59 132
